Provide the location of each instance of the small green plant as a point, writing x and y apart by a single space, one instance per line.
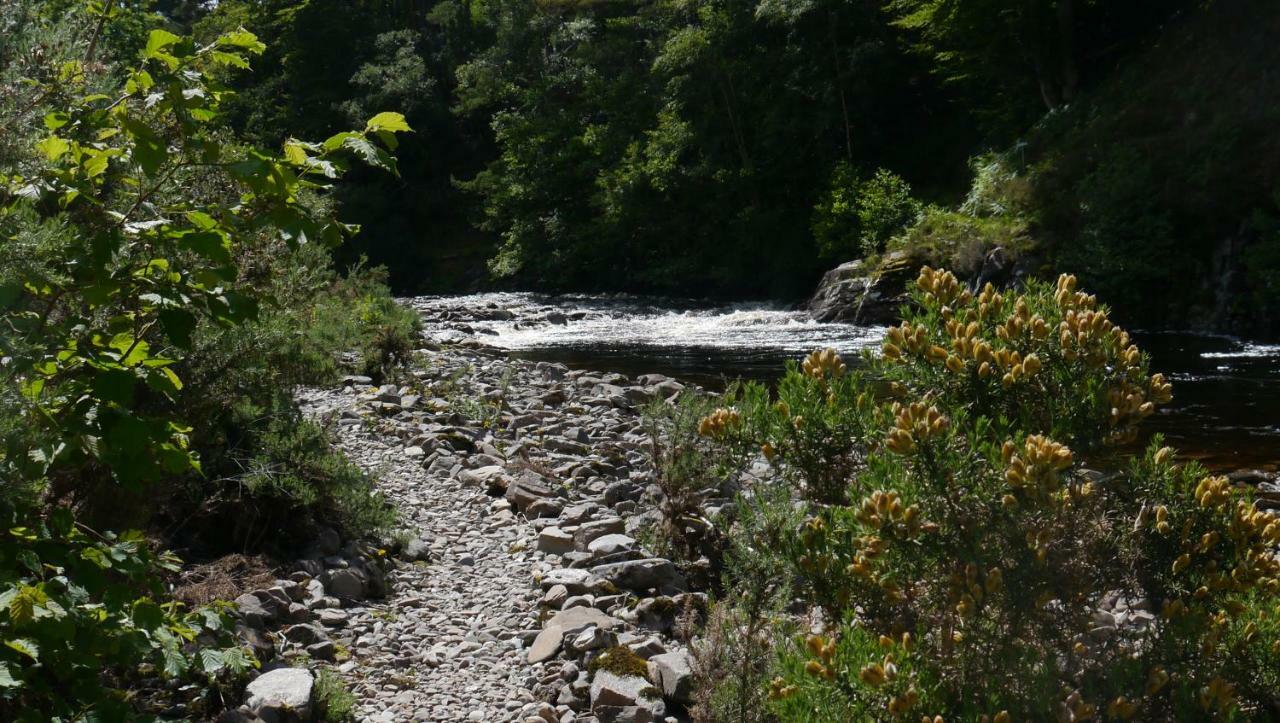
84 618
333 702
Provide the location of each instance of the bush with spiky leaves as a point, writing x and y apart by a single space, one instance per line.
978 565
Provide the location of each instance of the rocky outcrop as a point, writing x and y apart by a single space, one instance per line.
858 293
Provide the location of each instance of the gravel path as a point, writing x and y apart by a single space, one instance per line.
444 645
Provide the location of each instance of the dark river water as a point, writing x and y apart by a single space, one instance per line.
1226 408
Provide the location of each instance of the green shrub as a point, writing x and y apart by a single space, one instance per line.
138 232
84 619
966 575
688 467
855 217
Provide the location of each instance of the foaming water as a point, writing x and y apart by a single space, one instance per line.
1225 412
690 339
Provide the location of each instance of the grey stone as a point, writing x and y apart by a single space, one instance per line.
281 693
654 572
610 544
555 541
672 672
548 642
589 531
346 585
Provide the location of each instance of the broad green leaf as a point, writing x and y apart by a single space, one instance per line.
22 607
114 386
229 59
148 148
242 38
157 41
53 147
147 615
56 120
387 121
178 325
211 661
26 646
212 245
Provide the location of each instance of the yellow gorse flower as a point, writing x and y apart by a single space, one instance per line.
720 423
823 364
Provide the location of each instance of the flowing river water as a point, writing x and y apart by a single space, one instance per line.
1226 408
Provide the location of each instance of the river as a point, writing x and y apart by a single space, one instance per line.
1226 408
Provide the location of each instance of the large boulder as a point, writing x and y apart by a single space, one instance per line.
281 694
857 293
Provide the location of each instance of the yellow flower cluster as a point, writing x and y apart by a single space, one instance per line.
778 689
967 589
913 339
1213 491
1038 466
915 423
1022 322
868 548
1217 694
824 364
881 509
942 287
823 651
719 423
1122 709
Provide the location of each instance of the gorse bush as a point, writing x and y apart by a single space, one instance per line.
978 570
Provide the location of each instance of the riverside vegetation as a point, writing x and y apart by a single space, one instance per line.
954 528
164 287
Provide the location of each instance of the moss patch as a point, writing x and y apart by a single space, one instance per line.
620 660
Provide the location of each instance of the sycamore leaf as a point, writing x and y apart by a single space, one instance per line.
388 121
53 147
26 646
241 38
157 41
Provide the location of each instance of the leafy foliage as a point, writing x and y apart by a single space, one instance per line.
83 616
133 229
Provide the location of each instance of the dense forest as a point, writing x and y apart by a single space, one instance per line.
680 147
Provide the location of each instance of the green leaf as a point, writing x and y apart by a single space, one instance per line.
242 38
147 615
148 148
26 646
212 245
53 147
178 325
56 120
157 41
211 661
114 386
229 59
22 607
6 677
388 121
